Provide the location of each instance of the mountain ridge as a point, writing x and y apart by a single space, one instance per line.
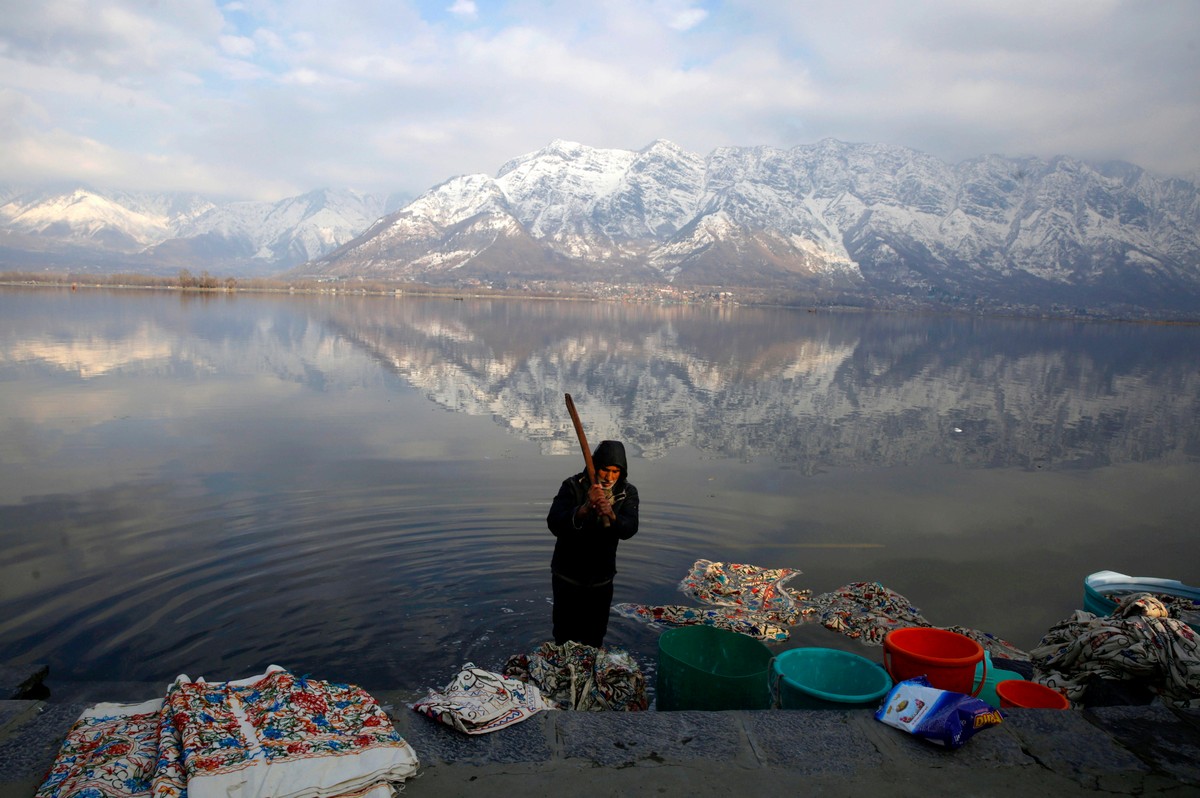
827 221
832 217
160 233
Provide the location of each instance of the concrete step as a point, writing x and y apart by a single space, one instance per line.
1144 750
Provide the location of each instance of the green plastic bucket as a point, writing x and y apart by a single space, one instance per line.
992 676
825 678
701 667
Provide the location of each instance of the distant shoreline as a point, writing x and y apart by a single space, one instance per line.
631 294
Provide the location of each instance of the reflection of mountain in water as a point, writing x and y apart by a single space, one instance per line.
814 390
93 356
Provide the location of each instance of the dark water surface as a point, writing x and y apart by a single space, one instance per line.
356 487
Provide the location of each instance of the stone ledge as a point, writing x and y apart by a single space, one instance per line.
1132 750
22 681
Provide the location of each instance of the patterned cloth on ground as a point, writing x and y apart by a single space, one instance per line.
581 677
747 598
274 734
478 701
868 611
1140 641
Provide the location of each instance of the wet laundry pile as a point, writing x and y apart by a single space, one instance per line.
867 611
571 676
756 601
273 734
1143 643
742 598
582 678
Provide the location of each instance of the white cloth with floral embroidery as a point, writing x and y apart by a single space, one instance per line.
275 734
477 701
110 751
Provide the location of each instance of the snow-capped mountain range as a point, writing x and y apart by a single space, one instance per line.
833 218
81 228
827 220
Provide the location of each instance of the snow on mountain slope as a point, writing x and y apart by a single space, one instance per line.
842 216
849 219
291 230
167 231
83 215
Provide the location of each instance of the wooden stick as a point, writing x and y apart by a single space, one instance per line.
583 444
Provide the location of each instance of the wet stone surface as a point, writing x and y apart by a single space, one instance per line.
812 742
1116 750
1065 742
31 747
435 742
623 739
990 748
1162 738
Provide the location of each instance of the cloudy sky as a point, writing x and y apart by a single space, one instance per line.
268 98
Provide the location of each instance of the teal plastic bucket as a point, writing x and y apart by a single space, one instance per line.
701 667
825 678
1098 589
994 676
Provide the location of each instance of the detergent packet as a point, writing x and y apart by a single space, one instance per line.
940 716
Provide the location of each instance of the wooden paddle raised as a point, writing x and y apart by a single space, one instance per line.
583 444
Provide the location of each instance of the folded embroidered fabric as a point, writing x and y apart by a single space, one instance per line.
477 701
274 734
110 751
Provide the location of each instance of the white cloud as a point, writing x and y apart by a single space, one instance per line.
465 9
688 18
239 46
270 40
271 96
681 16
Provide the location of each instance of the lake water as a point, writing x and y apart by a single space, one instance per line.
355 487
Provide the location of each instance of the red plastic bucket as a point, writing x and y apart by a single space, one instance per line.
1030 695
946 658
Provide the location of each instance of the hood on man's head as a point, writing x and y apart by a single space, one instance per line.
611 453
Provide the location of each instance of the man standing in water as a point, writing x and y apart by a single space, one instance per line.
588 522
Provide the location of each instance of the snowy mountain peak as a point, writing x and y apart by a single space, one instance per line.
664 146
80 214
870 223
833 217
456 199
558 155
164 232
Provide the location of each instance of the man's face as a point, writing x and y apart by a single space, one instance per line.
608 476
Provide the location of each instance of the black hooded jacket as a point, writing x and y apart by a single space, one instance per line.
586 552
